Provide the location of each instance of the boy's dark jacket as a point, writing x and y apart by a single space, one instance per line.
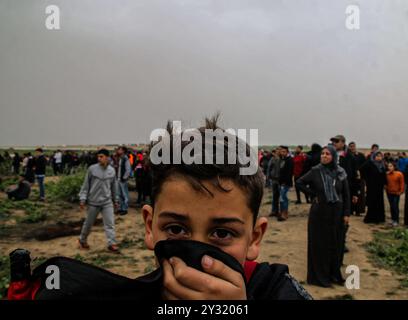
81 281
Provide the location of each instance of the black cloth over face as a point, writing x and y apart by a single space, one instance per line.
191 252
326 229
82 281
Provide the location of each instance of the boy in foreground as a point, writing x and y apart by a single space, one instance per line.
208 208
214 204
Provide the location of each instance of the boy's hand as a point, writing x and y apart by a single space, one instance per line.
218 282
81 206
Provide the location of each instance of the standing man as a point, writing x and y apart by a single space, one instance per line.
273 175
285 181
124 172
374 148
16 163
299 163
358 207
40 165
99 191
347 162
58 162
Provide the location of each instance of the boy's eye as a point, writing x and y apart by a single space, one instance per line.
176 230
222 234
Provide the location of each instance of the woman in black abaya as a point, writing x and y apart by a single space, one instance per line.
374 173
327 184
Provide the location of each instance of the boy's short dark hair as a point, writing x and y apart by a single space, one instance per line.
195 174
284 147
375 146
123 148
300 147
105 152
39 150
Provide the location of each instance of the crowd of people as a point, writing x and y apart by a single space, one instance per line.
32 168
338 181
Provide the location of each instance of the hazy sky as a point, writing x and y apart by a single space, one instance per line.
118 69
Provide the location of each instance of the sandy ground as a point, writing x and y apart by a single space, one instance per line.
284 242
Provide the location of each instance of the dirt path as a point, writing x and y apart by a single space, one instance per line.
285 242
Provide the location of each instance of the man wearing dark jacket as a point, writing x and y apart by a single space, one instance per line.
348 163
40 164
273 174
359 159
285 181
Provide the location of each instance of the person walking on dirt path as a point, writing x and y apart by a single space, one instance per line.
124 172
100 192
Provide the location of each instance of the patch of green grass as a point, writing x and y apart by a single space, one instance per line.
390 250
128 243
79 257
102 260
33 217
35 211
66 188
404 283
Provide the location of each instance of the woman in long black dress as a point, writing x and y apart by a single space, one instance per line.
374 173
327 184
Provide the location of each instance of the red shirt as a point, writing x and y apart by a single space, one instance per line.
298 164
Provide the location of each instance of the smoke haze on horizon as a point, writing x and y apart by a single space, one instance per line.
119 69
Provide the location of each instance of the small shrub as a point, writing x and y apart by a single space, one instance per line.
66 189
35 212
